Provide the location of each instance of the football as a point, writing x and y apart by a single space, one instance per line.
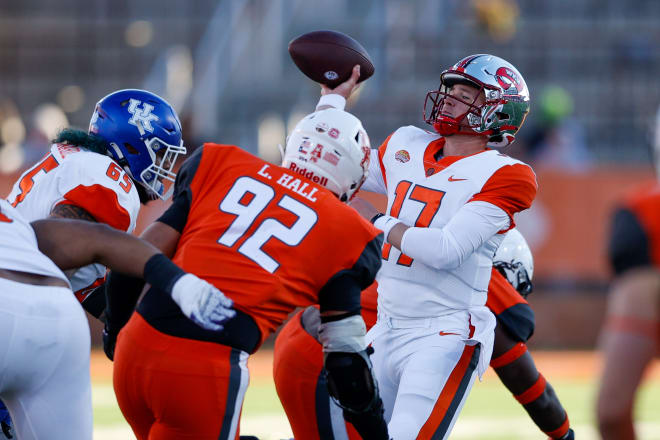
328 57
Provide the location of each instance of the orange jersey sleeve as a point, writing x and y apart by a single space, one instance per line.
635 230
512 188
381 153
101 203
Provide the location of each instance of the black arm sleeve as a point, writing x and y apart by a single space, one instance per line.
629 245
94 304
121 295
342 291
176 215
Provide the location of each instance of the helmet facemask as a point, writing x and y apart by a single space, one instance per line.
159 177
514 260
516 274
464 123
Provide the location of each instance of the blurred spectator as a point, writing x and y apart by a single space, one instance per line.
630 337
498 17
556 140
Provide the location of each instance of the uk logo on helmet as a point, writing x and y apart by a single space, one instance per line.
142 117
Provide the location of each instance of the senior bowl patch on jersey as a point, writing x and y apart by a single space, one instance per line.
402 156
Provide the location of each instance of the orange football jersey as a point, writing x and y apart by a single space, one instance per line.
270 239
635 230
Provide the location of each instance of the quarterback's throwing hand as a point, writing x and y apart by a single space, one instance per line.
201 302
347 87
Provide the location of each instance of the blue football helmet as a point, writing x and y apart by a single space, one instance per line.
143 133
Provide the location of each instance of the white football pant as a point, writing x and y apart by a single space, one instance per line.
424 371
44 362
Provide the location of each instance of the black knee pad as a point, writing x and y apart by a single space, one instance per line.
350 380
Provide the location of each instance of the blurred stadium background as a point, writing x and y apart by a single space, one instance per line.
591 65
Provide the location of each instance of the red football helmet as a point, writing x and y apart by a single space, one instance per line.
506 100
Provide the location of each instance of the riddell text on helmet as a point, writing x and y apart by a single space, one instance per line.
308 174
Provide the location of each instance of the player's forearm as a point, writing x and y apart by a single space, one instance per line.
162 236
447 247
73 243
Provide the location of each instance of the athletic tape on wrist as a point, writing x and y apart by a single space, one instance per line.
385 223
345 335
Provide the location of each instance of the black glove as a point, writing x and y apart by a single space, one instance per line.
109 342
94 303
352 386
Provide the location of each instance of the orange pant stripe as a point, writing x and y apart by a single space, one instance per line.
465 366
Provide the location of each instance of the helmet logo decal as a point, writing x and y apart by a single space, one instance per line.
305 144
309 174
141 117
331 158
364 163
316 153
460 66
507 78
333 133
402 156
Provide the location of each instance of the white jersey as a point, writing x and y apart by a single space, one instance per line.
425 192
18 242
91 181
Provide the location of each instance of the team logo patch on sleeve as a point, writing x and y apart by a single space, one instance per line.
402 156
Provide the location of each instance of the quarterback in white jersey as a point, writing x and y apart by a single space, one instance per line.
451 197
45 343
102 176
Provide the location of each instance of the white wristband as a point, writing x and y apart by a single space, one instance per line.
385 223
333 100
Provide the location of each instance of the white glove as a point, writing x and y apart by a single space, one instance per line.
202 303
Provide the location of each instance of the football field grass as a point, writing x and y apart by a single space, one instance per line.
489 413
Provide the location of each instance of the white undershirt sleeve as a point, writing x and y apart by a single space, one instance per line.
332 100
375 182
447 248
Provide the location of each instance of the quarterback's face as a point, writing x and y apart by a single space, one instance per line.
460 96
